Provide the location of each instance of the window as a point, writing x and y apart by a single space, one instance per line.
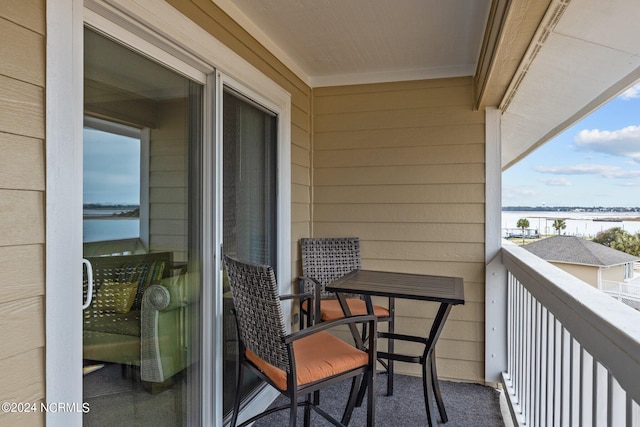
111 181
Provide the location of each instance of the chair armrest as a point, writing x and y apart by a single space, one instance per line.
332 324
296 296
169 294
163 333
302 279
317 291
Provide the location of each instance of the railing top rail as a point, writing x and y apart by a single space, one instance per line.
608 329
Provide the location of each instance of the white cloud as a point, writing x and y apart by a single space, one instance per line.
626 174
518 192
556 182
622 143
629 184
601 170
631 93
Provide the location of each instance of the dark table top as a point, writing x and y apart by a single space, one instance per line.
441 289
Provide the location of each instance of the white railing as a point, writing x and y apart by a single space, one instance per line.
626 292
573 353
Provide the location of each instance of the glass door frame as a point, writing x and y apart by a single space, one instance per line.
158 31
264 396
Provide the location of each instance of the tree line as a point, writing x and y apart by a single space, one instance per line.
620 239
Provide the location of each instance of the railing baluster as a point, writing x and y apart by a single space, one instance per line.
528 351
595 409
550 366
601 395
523 352
563 379
535 384
557 373
581 387
538 366
571 390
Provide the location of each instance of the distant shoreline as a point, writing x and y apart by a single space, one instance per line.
110 217
617 219
575 209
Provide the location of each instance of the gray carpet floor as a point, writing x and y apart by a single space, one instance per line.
116 400
120 401
467 405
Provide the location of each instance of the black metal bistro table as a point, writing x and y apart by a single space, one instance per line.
448 291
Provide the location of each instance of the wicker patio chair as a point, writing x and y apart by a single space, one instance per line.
296 364
325 260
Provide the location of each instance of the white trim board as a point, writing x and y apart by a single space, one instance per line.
63 209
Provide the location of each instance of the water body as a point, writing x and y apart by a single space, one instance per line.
583 224
100 230
101 225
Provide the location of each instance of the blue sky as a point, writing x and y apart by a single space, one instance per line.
596 162
111 168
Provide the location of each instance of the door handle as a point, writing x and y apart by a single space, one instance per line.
89 268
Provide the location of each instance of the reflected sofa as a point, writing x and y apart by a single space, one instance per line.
139 315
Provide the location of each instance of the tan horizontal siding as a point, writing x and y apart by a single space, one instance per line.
401 165
424 193
22 206
417 97
300 137
168 192
300 175
300 157
406 232
167 195
167 179
412 174
434 251
388 89
300 193
22 381
16 40
170 211
24 312
433 155
23 272
393 119
22 106
21 217
168 227
22 162
470 272
30 14
395 212
168 163
406 137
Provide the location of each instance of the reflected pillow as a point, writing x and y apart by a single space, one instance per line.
116 297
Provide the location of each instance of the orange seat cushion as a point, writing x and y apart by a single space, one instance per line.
317 356
330 309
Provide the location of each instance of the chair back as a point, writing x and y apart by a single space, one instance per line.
328 259
258 312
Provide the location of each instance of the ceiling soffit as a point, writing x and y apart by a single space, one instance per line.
337 42
510 28
584 53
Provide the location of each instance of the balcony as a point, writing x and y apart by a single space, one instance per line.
573 353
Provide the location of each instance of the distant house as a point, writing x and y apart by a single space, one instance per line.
588 261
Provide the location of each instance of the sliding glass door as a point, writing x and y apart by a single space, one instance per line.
142 239
250 212
179 161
